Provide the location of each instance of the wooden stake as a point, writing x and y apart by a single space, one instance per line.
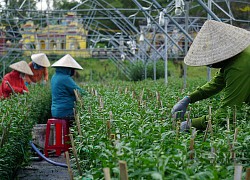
233 155
101 103
68 163
228 125
75 154
209 124
188 119
78 99
191 148
106 173
234 117
133 94
178 124
123 170
237 172
126 90
112 136
141 96
108 128
248 174
110 115
78 124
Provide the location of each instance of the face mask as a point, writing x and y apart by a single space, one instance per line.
22 75
36 66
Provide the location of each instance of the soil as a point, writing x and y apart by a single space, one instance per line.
43 170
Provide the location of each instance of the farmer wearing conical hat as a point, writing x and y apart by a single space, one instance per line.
39 67
63 86
13 82
223 46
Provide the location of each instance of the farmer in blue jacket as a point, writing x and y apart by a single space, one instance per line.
63 86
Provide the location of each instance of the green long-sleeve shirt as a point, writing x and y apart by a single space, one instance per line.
233 79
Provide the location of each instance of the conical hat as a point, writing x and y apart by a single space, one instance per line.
22 66
215 42
40 59
67 61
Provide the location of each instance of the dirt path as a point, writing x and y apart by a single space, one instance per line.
42 170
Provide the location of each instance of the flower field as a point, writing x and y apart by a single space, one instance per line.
131 122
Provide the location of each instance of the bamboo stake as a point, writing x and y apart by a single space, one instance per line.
141 96
228 125
248 174
188 119
68 163
192 143
106 173
233 154
209 125
112 136
108 128
75 154
234 117
101 103
78 98
78 124
123 170
110 115
178 129
237 172
126 90
133 94
192 148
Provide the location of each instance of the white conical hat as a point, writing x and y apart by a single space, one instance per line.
67 61
22 66
40 59
215 42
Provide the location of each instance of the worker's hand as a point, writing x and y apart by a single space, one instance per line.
185 126
24 91
180 108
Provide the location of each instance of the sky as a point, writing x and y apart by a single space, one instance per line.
41 5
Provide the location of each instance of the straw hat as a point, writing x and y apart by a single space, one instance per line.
215 42
40 59
67 61
22 66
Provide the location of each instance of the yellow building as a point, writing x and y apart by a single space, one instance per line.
65 36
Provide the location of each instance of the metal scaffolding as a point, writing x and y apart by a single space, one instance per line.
94 28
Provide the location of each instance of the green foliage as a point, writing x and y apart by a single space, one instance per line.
147 138
138 70
18 114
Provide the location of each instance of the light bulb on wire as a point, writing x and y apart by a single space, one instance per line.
179 6
178 11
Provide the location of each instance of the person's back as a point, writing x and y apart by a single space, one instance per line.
39 67
62 87
237 77
63 97
13 81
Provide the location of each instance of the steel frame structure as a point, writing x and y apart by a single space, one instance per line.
135 35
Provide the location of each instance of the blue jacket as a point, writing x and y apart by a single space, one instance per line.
63 97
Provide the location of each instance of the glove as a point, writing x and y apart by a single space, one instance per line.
185 126
24 91
181 107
